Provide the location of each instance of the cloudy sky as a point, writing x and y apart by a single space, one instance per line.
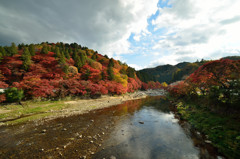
142 33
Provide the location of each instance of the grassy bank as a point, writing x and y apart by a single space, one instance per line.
222 130
30 110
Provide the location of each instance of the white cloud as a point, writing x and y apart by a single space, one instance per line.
198 29
137 67
102 25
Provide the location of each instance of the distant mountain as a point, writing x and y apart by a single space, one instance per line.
168 73
172 73
232 57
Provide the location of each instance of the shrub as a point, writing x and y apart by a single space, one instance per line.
14 95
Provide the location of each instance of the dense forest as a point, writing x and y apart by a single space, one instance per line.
172 73
51 71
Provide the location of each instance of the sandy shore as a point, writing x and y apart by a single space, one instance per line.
85 105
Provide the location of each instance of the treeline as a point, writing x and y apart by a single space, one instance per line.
57 70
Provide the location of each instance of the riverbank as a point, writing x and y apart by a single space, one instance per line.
222 131
48 110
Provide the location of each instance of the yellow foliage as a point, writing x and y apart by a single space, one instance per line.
96 65
164 84
73 70
123 79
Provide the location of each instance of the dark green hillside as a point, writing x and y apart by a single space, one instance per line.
169 73
232 57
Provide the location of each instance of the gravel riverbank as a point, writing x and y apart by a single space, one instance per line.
47 111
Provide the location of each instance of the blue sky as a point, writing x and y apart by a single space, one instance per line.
139 32
148 52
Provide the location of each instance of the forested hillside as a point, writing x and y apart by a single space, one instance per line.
169 73
173 73
49 70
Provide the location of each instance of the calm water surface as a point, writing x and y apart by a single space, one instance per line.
152 132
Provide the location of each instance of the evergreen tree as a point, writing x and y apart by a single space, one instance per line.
3 51
86 75
103 76
62 59
32 49
83 58
44 49
110 73
53 48
1 55
26 57
131 72
13 49
57 52
111 63
66 53
21 46
78 62
94 57
65 68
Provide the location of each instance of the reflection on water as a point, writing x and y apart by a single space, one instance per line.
148 133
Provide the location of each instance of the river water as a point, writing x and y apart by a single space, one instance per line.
138 129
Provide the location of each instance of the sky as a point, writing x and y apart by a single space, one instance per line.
142 33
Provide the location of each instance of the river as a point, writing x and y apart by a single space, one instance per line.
138 129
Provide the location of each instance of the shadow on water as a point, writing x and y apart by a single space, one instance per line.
138 129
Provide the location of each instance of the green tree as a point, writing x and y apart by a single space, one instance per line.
13 49
66 53
1 57
32 49
26 57
83 58
111 63
44 49
110 73
131 72
57 52
62 59
3 51
14 95
77 61
21 46
103 75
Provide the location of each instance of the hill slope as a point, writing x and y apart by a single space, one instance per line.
168 73
49 70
